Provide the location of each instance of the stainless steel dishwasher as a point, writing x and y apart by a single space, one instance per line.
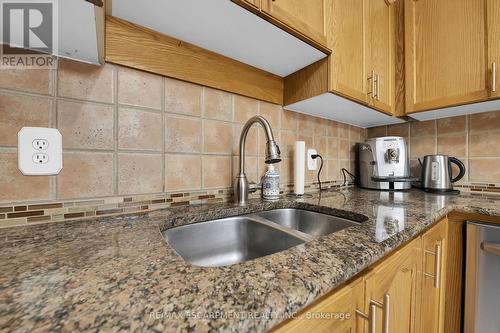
482 289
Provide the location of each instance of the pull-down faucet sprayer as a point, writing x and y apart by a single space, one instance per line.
241 185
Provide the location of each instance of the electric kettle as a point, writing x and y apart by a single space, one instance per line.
436 173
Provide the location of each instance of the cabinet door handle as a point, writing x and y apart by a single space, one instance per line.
373 321
387 313
493 248
494 77
371 317
386 310
377 79
437 265
372 78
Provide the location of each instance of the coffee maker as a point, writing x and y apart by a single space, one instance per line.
384 164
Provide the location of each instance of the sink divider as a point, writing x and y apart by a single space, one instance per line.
295 233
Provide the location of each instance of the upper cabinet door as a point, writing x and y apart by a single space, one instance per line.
306 17
444 53
345 27
380 62
493 24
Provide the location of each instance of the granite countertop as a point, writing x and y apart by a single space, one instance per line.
118 274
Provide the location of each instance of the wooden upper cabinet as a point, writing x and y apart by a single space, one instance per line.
445 53
380 62
306 17
362 36
254 3
434 244
340 306
394 286
346 37
493 25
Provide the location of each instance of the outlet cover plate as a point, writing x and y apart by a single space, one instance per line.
312 164
27 151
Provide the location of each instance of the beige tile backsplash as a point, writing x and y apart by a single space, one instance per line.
217 137
182 134
139 129
85 174
452 144
217 104
37 81
139 89
217 171
17 111
139 173
85 125
183 172
127 133
76 81
245 108
182 97
474 139
15 187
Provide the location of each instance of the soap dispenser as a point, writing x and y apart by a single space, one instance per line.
271 184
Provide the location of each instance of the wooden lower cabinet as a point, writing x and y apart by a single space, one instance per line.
434 243
393 287
419 286
333 313
404 293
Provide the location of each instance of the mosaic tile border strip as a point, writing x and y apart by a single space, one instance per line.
47 212
22 214
479 188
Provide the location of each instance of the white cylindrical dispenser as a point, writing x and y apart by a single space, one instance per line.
299 167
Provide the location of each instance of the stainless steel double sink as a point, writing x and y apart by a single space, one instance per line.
237 239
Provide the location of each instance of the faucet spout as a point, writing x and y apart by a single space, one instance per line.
241 187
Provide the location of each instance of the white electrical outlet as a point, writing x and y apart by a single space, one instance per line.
40 158
312 164
40 144
39 151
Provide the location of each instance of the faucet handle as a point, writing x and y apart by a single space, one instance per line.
253 187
